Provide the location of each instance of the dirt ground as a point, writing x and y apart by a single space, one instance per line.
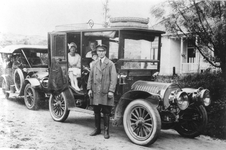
21 128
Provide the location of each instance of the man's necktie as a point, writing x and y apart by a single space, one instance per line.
100 62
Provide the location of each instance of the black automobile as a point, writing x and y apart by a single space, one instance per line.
142 106
25 67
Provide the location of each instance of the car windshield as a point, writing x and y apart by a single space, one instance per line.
38 59
31 57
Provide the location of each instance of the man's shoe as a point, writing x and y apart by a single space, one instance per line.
95 132
106 133
106 126
97 129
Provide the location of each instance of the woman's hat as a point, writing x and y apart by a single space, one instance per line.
72 44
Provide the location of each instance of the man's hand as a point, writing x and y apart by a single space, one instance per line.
90 93
110 95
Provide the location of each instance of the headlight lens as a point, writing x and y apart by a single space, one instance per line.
25 69
182 100
205 97
44 83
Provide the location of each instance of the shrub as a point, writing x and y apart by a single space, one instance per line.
217 110
1 72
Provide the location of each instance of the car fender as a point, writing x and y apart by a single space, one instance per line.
70 98
128 97
8 80
33 81
4 77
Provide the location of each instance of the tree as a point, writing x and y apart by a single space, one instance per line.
204 21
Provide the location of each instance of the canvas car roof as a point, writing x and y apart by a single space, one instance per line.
113 29
12 48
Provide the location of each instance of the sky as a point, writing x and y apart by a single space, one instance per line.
38 17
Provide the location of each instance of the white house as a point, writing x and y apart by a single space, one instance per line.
178 55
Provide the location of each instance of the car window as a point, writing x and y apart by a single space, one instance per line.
113 49
140 49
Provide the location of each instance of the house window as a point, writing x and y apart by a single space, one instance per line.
191 51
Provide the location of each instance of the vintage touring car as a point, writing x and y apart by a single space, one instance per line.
25 67
143 106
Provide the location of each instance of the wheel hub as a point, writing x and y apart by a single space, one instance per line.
58 104
29 95
140 121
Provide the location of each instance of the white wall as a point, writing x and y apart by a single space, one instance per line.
175 55
170 56
165 53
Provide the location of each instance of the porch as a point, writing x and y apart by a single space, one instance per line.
190 68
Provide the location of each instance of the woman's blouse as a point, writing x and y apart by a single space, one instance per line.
74 61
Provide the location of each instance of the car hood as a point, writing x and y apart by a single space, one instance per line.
156 88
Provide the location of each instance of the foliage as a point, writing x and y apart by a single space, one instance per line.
17 39
204 21
1 71
217 110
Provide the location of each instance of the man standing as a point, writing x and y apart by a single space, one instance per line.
101 87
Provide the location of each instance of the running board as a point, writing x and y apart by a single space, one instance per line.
12 92
82 110
16 94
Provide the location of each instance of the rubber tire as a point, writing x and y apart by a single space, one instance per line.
4 88
129 19
53 114
36 96
129 24
21 78
182 131
152 111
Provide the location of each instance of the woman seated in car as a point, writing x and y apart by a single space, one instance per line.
74 60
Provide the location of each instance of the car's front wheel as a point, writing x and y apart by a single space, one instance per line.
192 121
32 97
58 107
141 122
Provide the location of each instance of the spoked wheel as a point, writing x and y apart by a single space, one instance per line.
58 107
192 121
5 87
141 122
32 97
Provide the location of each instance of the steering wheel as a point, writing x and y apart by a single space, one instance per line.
86 70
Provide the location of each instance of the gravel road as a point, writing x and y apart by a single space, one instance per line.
21 128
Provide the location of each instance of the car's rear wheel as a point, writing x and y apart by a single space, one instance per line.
192 121
32 97
141 122
5 87
58 107
18 79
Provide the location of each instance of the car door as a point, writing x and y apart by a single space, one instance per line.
58 50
